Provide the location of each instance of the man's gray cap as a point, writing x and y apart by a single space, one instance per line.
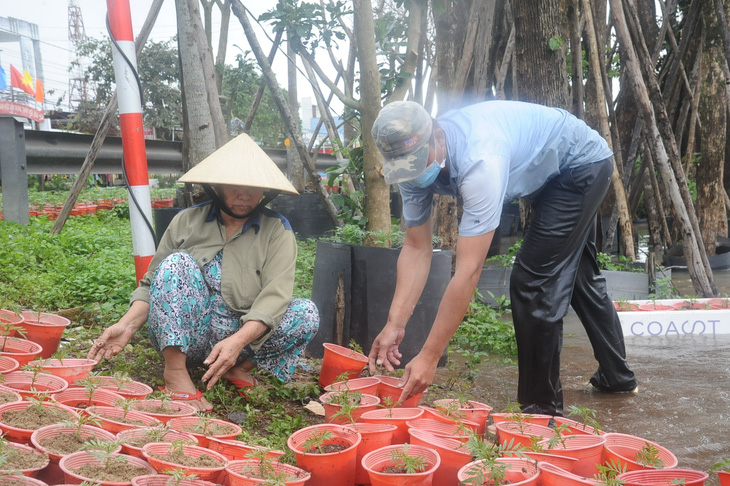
401 132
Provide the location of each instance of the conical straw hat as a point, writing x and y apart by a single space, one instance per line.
240 162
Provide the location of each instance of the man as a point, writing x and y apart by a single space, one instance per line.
486 154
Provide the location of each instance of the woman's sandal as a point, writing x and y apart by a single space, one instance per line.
242 385
184 396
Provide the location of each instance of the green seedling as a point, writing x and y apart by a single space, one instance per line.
78 423
722 465
177 476
607 473
402 458
104 452
126 405
35 367
648 456
265 469
316 440
587 416
90 383
389 403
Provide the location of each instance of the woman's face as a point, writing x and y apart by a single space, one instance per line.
241 200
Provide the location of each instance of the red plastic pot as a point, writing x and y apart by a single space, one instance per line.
87 432
512 432
454 455
450 430
520 472
622 449
432 413
177 409
472 411
552 475
719 304
374 463
563 462
71 463
367 384
576 428
338 360
8 364
653 306
374 436
78 398
21 350
213 474
183 424
626 306
242 473
19 478
10 317
663 477
723 477
30 472
22 436
32 386
367 403
110 419
236 450
397 417
134 390
129 435
164 480
45 329
588 449
70 369
389 388
326 467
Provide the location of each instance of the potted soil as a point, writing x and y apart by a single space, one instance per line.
133 440
20 458
118 418
18 420
19 479
249 472
346 407
123 385
45 329
70 369
103 467
67 437
327 451
32 382
374 436
81 398
236 450
204 463
164 409
402 464
21 350
505 470
203 428
7 395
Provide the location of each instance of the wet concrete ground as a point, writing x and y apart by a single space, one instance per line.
683 402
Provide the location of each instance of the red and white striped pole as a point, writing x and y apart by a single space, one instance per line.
130 120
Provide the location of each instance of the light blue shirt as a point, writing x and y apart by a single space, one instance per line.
501 150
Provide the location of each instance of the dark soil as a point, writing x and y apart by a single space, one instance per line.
7 398
391 469
327 449
118 472
21 459
33 419
179 458
65 443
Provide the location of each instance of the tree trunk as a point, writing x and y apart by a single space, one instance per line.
295 168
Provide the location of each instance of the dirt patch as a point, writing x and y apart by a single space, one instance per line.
66 443
21 459
7 398
179 458
117 471
33 418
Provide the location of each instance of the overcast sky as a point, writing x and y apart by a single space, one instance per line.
51 16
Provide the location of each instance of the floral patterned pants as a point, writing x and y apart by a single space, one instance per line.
187 311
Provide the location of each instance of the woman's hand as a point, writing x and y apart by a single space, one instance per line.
222 358
111 342
384 351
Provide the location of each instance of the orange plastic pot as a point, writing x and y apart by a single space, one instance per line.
45 329
87 432
236 450
134 390
653 306
366 384
454 455
367 403
472 411
374 436
520 472
164 480
512 432
30 472
22 436
719 304
553 475
528 418
576 428
71 463
213 474
563 462
21 350
177 409
397 417
324 468
588 449
70 369
10 317
8 364
182 424
622 449
243 473
19 478
110 419
450 430
663 477
338 360
432 413
31 386
78 398
126 436
390 388
374 463
723 477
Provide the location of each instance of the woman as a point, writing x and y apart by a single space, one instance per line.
218 290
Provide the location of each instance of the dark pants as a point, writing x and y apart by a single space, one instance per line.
556 267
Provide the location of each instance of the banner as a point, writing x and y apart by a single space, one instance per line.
16 109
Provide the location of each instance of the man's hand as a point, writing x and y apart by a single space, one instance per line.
418 376
384 351
222 358
111 341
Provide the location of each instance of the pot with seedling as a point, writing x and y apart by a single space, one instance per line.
177 455
635 453
683 477
338 360
454 454
88 393
20 458
45 329
722 469
122 384
18 420
203 427
165 408
70 369
32 381
133 440
374 436
367 385
586 423
100 464
515 414
7 395
394 416
327 451
69 436
121 417
554 475
18 348
402 464
236 450
500 471
346 407
464 409
258 468
588 449
171 478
